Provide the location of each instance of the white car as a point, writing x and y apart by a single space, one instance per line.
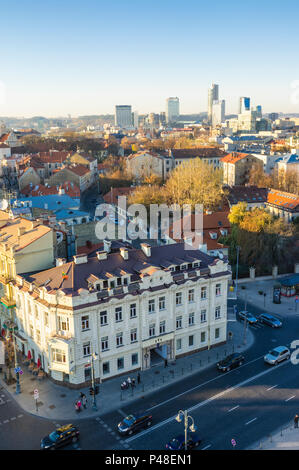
276 355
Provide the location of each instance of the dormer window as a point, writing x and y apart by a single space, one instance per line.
183 266
119 281
125 281
196 264
112 284
105 284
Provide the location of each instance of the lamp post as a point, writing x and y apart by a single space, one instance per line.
237 270
18 387
94 402
184 414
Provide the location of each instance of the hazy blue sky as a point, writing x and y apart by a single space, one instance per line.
83 57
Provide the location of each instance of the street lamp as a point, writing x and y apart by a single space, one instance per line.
94 402
184 414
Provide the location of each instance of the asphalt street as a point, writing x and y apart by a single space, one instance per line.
245 404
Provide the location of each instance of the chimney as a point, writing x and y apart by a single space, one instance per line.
146 248
21 231
107 246
80 259
60 261
101 255
124 252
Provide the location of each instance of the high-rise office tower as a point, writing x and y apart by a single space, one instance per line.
213 95
244 104
172 109
135 119
218 112
123 116
259 112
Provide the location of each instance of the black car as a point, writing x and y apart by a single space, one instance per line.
230 362
133 423
60 437
178 443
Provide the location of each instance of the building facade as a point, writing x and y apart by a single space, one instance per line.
172 109
128 308
123 116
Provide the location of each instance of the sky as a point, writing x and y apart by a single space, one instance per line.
84 57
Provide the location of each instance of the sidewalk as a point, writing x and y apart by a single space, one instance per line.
250 293
285 438
57 402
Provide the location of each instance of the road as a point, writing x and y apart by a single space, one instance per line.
245 404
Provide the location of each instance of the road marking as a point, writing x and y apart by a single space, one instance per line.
121 412
204 448
208 400
20 416
11 419
293 396
268 389
6 421
201 385
251 421
234 408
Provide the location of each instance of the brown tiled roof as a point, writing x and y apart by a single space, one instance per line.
136 264
79 170
234 157
248 194
202 152
9 233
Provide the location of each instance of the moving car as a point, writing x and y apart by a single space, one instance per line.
276 355
230 362
270 320
133 423
178 443
251 319
60 437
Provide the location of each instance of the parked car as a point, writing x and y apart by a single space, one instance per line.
230 362
276 355
178 443
60 437
268 319
133 423
251 319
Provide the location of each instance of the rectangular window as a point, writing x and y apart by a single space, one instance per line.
191 295
112 284
191 339
119 340
106 368
133 311
152 330
85 322
217 333
134 359
46 317
38 336
178 323
133 335
63 323
178 298
86 349
162 327
120 363
103 318
118 314
203 293
217 313
203 316
161 303
203 337
218 289
151 306
58 355
191 319
104 343
178 344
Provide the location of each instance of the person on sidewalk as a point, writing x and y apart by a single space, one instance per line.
84 400
129 381
138 378
296 419
133 383
165 363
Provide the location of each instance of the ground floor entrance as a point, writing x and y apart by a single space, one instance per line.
157 353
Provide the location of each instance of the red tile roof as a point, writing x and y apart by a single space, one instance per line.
283 199
234 157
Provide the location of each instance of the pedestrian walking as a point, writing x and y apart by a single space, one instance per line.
138 378
129 381
165 363
133 383
84 400
79 404
296 419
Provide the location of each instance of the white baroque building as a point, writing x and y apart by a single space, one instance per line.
125 308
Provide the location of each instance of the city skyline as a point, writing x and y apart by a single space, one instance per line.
62 60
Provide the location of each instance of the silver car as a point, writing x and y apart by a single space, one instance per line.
277 355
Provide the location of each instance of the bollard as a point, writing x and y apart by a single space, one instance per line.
191 366
163 378
142 386
182 371
217 355
225 352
